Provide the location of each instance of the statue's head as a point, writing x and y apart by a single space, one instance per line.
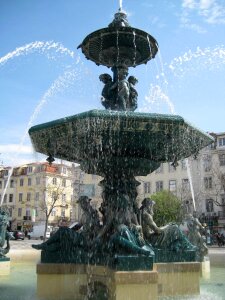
148 202
133 80
105 78
84 201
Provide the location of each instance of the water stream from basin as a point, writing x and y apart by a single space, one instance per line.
62 82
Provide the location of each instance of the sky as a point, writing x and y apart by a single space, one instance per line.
43 76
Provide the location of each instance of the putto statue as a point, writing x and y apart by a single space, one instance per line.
119 94
4 235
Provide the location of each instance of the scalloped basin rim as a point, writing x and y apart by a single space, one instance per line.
113 115
107 30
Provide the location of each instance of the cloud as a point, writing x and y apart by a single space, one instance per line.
209 11
15 148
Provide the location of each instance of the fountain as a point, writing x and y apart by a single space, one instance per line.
118 144
4 237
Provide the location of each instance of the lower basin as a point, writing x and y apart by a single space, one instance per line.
21 284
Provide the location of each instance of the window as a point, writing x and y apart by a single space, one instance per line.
12 183
159 186
184 164
208 182
27 212
185 184
64 169
38 180
36 212
30 169
5 182
6 173
5 198
64 182
10 211
37 196
147 187
64 199
28 196
29 181
19 212
20 197
10 197
21 182
172 185
0 184
38 169
63 213
222 159
209 205
207 163
160 169
54 196
53 213
54 181
221 142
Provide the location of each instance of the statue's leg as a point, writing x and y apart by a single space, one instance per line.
129 246
55 238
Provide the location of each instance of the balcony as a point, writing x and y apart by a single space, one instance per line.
27 218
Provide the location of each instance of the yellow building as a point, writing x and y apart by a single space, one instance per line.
32 191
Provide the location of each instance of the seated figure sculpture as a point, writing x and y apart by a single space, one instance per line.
121 236
4 235
69 245
168 237
195 237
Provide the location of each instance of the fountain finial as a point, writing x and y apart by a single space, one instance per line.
120 19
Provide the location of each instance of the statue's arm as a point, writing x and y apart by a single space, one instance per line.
150 222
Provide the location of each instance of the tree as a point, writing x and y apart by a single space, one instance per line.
168 208
52 199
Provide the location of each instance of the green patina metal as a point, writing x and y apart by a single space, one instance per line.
98 138
117 144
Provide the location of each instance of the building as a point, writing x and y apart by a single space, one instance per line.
31 191
198 181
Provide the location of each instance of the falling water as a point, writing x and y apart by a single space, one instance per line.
154 95
117 45
62 82
190 182
120 4
135 47
155 91
208 58
43 47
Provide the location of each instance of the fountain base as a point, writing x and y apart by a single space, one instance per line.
74 281
178 278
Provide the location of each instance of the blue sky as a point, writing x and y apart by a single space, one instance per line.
44 77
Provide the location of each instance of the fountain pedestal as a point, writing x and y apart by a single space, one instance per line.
73 281
178 278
